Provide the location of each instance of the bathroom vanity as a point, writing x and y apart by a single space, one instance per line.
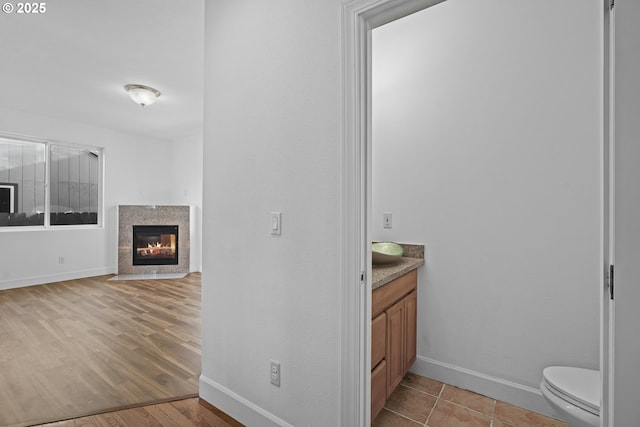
393 327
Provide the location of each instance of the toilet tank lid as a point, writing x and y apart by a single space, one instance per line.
582 385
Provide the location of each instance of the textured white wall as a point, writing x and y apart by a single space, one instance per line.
272 143
486 148
31 257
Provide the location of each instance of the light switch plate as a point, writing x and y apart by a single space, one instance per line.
276 223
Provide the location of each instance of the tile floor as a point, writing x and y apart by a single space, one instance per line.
423 402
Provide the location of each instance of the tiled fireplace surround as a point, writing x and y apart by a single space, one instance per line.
130 215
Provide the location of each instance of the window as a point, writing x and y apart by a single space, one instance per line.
71 173
74 176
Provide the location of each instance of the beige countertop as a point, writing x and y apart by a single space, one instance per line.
383 274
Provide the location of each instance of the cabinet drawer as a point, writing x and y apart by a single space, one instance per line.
386 295
378 389
378 339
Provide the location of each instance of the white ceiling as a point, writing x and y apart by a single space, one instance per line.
73 61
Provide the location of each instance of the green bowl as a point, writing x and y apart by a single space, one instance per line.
386 252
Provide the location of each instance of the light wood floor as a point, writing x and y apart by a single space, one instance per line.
182 413
79 347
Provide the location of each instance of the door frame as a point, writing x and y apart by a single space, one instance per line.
624 131
359 17
607 306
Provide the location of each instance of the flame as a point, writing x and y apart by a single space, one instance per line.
157 248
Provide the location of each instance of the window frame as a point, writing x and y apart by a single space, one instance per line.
48 143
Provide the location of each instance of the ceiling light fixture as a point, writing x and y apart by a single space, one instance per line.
141 94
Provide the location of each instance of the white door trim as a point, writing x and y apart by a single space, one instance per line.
624 347
608 191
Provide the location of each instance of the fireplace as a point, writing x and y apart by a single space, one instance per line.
175 218
155 245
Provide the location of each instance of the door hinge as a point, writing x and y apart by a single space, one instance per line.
611 281
612 3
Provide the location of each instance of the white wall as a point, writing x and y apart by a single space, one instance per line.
487 126
186 189
31 257
272 143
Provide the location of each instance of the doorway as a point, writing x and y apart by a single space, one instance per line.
367 17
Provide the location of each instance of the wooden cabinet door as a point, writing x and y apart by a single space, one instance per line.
411 326
393 336
395 345
378 339
378 389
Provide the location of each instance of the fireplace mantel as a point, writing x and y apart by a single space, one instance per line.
130 215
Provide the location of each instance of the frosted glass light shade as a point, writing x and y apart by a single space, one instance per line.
143 95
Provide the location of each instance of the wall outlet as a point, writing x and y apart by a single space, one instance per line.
386 220
275 373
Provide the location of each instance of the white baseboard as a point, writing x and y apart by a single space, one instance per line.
56 277
496 388
237 406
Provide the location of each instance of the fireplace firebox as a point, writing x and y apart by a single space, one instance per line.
155 244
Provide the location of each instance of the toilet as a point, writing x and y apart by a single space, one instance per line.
573 393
